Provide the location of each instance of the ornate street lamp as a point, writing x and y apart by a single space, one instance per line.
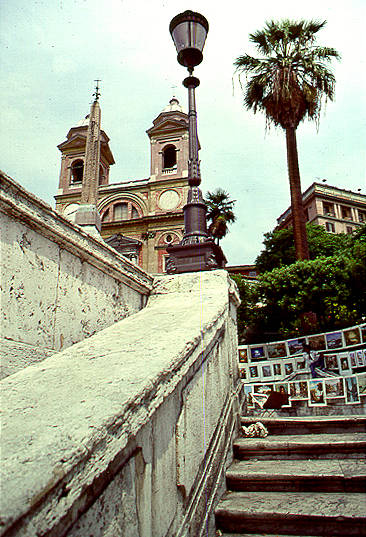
197 250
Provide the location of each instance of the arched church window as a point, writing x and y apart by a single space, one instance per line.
169 157
77 171
134 212
105 216
120 211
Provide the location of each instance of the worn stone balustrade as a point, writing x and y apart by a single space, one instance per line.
59 284
127 432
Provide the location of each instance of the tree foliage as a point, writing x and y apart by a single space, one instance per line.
279 246
219 212
333 287
290 79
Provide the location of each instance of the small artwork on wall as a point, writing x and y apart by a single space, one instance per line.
276 350
243 373
352 336
253 371
331 361
263 388
334 387
352 359
289 368
343 362
295 346
266 371
362 384
257 353
317 343
248 388
299 390
363 332
301 364
351 386
359 355
334 340
316 393
243 356
277 369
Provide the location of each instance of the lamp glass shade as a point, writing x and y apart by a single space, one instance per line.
189 32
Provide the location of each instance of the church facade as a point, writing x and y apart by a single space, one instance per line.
139 218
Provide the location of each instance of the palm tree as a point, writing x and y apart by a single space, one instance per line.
219 212
288 84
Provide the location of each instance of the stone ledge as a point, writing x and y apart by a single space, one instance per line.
36 214
69 418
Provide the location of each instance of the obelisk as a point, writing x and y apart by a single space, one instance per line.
87 214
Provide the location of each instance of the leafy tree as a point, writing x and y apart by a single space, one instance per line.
279 246
288 84
333 287
219 212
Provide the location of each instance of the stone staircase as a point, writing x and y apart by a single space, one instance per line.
307 478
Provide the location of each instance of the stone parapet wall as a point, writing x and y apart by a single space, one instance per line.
126 433
59 284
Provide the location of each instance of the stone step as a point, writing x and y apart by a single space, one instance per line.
292 513
310 424
319 446
298 475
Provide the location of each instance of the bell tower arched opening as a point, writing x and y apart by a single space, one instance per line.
169 157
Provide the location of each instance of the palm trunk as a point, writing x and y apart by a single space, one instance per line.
297 208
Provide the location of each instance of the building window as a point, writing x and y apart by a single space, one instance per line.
329 226
77 172
349 229
169 157
361 216
101 175
346 213
120 211
134 212
328 209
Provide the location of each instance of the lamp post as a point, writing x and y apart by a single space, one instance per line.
197 250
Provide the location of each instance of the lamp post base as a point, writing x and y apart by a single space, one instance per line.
194 257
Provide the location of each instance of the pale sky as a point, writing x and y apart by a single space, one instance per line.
51 52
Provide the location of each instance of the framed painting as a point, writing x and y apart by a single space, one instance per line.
343 362
363 332
334 340
359 355
289 368
361 378
253 371
295 346
352 336
243 356
277 350
277 370
316 393
334 387
351 388
317 343
352 359
248 388
257 353
331 361
266 371
299 390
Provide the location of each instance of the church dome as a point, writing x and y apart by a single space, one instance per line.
173 106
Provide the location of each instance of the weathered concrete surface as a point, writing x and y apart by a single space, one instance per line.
59 284
125 432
